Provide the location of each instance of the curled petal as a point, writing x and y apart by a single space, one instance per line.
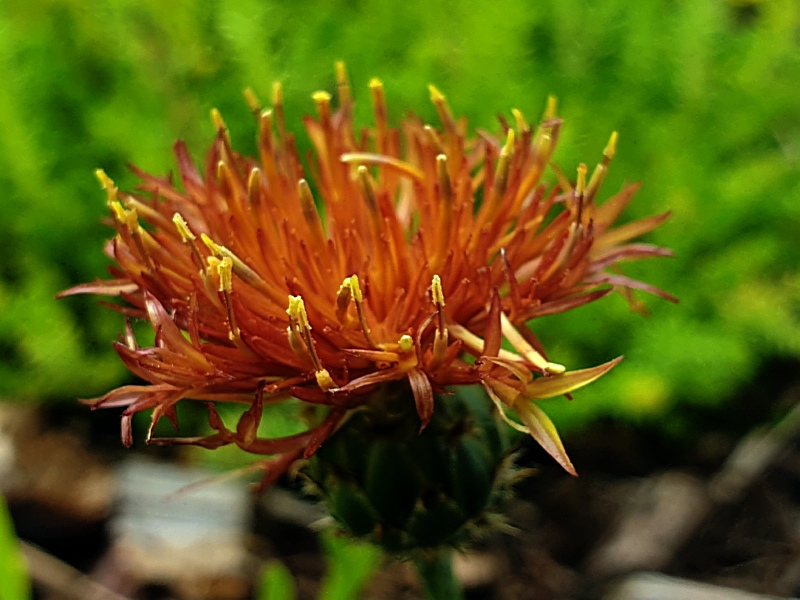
423 396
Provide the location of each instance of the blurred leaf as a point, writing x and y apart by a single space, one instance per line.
350 564
276 583
14 583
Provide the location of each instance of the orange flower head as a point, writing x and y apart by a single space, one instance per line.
418 252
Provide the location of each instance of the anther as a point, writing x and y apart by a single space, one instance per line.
224 269
108 185
217 120
300 333
440 338
599 173
323 101
406 343
342 83
252 101
241 269
188 237
442 108
355 292
552 108
522 124
503 166
343 297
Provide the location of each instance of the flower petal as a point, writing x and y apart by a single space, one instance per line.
555 385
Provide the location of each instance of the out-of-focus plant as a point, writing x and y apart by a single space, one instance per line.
14 583
703 93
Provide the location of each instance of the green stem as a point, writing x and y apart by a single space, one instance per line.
438 579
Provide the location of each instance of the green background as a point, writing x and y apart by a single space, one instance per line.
703 93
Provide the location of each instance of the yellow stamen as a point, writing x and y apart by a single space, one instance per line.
342 84
599 173
522 124
440 338
310 211
552 108
343 297
241 269
225 271
300 329
217 120
522 346
108 185
611 148
442 108
183 228
188 238
406 343
323 101
580 185
252 100
358 298
324 380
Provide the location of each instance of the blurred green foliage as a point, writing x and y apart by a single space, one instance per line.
704 95
14 581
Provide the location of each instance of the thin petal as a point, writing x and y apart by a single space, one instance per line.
555 385
544 432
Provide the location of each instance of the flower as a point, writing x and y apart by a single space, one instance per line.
423 250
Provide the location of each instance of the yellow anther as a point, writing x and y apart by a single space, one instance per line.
214 247
225 270
580 185
252 100
321 97
108 185
342 83
375 84
216 119
436 291
324 380
406 343
183 228
436 95
297 313
508 148
611 148
355 288
343 297
552 108
522 124
277 94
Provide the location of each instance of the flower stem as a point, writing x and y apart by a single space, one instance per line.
438 579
